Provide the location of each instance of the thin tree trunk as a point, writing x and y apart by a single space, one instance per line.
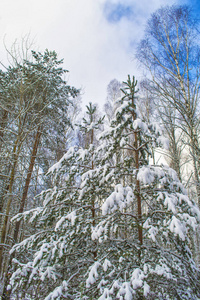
138 196
93 201
175 153
2 126
196 164
9 192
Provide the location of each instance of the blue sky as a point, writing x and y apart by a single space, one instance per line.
96 38
195 4
115 11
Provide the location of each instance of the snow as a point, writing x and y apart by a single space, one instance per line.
87 175
49 273
62 246
121 259
139 124
172 174
34 272
105 173
122 107
83 153
49 194
106 264
146 175
70 217
66 156
163 142
146 289
58 292
177 227
119 199
123 142
105 295
137 278
196 212
97 231
23 244
93 274
162 269
170 202
191 221
152 232
60 222
125 292
35 212
39 254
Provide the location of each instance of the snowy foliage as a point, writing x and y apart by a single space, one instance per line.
113 226
159 264
168 218
62 249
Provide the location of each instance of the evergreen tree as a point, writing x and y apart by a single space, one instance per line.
146 219
61 251
39 98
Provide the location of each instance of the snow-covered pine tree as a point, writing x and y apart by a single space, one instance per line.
146 220
52 263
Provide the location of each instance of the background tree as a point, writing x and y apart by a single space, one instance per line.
113 96
42 98
170 52
152 108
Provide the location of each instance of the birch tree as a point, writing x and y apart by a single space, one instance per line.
170 53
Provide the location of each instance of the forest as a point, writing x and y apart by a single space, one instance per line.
103 203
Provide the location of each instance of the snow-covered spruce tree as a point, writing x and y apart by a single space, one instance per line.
62 249
146 220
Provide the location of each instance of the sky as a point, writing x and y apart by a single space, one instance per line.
96 38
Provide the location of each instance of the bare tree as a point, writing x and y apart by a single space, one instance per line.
113 96
170 53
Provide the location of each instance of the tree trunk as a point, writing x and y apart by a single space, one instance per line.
2 126
196 163
9 192
28 179
138 196
93 201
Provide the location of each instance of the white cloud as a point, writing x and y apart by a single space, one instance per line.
94 50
